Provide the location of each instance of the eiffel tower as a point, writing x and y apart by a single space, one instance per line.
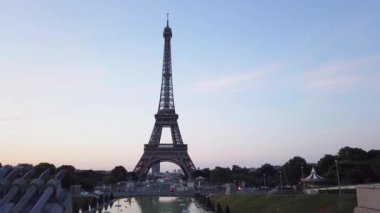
166 117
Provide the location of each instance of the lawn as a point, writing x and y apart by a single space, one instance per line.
287 203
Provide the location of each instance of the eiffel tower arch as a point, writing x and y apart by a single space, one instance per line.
166 117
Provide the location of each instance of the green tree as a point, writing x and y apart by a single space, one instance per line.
86 183
357 166
293 169
197 173
203 200
212 206
236 169
271 175
373 154
68 168
266 169
119 173
41 167
219 208
375 167
220 175
69 178
325 163
227 209
101 200
85 204
208 203
206 172
108 179
106 198
353 154
93 202
75 207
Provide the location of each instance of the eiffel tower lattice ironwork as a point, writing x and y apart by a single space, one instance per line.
166 117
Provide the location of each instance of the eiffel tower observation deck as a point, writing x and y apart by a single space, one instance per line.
166 117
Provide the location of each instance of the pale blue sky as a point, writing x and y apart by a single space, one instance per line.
254 81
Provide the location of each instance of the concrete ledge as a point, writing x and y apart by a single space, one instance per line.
368 199
365 210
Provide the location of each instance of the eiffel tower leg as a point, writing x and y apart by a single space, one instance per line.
141 168
156 134
154 154
176 134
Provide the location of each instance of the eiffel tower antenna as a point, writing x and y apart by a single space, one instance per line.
167 19
166 117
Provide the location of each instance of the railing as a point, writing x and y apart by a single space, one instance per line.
165 145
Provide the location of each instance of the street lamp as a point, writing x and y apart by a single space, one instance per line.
303 182
265 185
280 181
337 175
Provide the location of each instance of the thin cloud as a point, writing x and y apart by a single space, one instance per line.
236 81
340 75
334 82
228 82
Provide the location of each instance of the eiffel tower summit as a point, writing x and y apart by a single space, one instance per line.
166 117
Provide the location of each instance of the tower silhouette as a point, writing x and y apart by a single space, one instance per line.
166 117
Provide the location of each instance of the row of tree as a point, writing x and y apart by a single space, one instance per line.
355 166
84 204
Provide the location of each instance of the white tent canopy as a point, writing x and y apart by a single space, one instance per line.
313 177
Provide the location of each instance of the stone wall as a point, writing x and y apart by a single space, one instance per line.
368 199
